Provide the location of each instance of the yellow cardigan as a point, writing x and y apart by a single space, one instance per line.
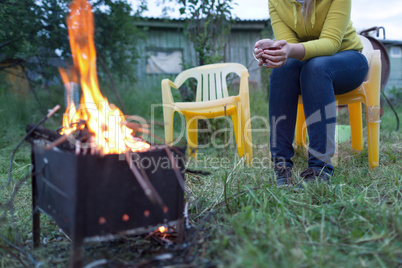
328 31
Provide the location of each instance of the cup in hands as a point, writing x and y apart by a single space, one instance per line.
260 46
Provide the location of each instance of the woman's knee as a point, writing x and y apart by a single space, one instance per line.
316 66
289 71
292 65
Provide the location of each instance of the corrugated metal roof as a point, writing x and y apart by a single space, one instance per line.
387 42
179 23
183 19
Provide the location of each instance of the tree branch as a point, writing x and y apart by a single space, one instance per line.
113 84
8 42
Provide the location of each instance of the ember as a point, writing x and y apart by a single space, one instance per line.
162 229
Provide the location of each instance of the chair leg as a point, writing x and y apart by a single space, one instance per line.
356 125
372 105
192 136
247 134
238 134
168 116
301 129
248 139
373 137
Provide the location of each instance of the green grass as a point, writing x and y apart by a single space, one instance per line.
239 217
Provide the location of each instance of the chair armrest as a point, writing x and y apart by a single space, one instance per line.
167 82
167 97
244 83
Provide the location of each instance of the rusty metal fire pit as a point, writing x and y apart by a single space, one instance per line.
95 198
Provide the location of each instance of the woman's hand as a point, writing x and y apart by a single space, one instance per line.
276 55
259 48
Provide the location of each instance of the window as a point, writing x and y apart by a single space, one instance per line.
395 52
162 61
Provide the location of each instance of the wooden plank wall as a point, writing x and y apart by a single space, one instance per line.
395 76
238 49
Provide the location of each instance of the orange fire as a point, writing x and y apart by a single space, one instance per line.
105 122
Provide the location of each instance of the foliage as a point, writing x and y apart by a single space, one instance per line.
395 95
117 37
35 33
208 26
19 24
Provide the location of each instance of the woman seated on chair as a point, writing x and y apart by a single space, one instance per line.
317 55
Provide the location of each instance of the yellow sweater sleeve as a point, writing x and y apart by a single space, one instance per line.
333 31
281 30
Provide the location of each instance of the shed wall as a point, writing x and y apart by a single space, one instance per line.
238 49
395 75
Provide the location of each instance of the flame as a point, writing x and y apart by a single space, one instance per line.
68 117
162 229
105 121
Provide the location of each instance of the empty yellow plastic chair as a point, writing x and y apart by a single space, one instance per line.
367 93
212 101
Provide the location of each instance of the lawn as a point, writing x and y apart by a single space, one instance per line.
237 216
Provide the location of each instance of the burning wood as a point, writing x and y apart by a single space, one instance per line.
143 180
164 235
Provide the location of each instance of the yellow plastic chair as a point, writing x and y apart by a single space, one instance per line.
212 101
367 93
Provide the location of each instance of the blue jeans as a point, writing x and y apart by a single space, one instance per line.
318 80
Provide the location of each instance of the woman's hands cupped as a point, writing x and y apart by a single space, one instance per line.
274 56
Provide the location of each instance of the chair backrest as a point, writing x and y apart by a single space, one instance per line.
367 48
211 79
